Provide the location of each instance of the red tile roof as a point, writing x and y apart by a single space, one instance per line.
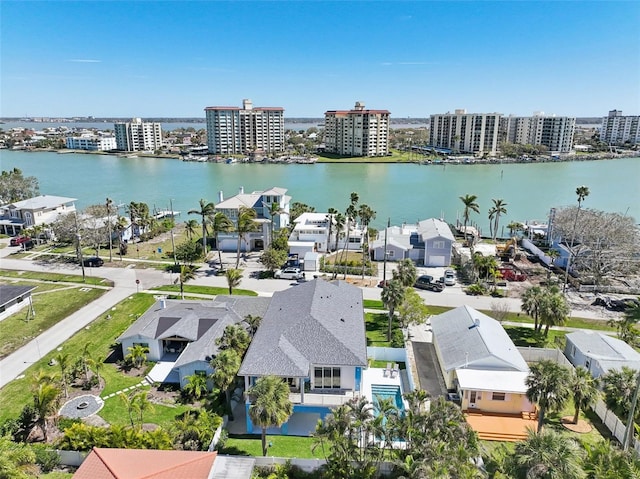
104 463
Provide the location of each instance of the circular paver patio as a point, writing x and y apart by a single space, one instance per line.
81 406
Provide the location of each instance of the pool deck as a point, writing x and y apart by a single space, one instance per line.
373 376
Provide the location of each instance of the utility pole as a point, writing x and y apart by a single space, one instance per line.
79 248
109 202
628 432
173 222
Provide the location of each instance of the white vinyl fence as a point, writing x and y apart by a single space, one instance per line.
396 355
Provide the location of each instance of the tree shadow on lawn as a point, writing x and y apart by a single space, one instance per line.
526 337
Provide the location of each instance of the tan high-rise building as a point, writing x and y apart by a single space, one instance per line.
138 135
465 132
357 132
554 132
618 130
235 130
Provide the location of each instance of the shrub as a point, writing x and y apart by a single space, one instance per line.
397 339
476 289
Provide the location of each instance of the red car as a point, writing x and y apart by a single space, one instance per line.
18 240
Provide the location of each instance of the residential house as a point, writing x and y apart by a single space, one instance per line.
599 353
313 337
181 335
311 234
13 299
40 210
261 202
480 362
429 242
103 463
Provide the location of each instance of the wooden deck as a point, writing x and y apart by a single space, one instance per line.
501 427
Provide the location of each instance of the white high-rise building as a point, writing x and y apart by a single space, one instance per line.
357 132
554 132
618 130
466 132
235 130
91 143
138 135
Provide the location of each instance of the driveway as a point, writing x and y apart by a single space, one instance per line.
428 368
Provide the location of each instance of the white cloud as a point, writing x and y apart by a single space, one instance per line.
84 60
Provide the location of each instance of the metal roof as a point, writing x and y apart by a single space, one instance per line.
601 346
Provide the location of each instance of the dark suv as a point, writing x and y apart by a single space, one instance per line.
426 282
93 262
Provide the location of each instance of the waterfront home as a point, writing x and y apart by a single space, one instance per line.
480 362
311 234
313 337
261 202
429 242
599 353
181 335
40 210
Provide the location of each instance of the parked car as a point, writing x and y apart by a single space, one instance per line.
18 240
426 282
93 262
289 273
383 283
449 277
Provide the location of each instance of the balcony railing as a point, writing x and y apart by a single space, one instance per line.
330 399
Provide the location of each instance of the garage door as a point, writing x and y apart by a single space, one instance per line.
435 261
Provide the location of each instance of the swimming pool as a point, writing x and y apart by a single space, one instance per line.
384 391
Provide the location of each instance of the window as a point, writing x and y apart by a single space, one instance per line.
498 396
327 378
438 244
200 372
144 345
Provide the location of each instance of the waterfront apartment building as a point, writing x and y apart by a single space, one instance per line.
138 135
554 132
235 130
91 143
618 130
463 132
357 132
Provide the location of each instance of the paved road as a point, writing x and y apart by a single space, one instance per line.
125 284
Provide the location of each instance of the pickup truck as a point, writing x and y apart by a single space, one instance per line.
426 282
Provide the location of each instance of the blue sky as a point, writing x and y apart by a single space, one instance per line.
150 58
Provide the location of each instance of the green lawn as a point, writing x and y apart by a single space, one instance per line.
377 325
281 446
55 277
523 337
212 290
51 307
373 304
99 335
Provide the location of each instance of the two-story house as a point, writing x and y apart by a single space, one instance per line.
40 210
312 230
429 242
313 337
262 203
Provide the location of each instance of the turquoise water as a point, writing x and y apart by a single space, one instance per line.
405 193
381 391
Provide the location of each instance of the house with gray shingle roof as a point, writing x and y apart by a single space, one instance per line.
599 353
14 298
480 362
261 202
36 211
184 333
313 336
428 242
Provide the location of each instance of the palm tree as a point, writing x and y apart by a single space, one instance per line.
581 192
350 214
274 210
187 273
220 223
405 272
253 322
137 355
492 215
96 364
548 455
331 212
584 390
270 405
245 225
513 227
129 405
470 205
554 310
206 210
499 208
196 386
532 303
618 386
392 296
120 227
367 215
234 337
63 361
190 227
225 368
340 221
45 403
141 404
548 386
234 278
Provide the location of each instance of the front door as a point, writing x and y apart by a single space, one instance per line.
472 399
